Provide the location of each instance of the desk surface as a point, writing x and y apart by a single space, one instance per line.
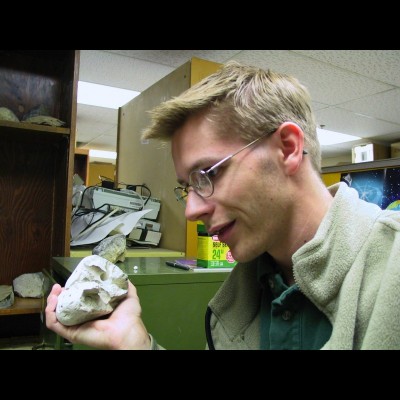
84 251
150 270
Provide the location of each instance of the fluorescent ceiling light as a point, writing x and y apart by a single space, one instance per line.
93 94
103 154
327 138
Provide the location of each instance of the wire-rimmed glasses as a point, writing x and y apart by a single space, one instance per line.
201 181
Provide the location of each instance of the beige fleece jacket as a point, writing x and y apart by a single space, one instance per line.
350 270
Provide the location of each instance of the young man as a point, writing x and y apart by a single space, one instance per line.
318 268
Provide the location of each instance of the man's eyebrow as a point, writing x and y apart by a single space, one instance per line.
208 161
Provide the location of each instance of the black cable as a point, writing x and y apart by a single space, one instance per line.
141 192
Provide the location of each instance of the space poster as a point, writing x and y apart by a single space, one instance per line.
379 186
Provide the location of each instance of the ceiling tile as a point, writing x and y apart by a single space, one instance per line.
327 84
318 106
345 121
354 79
380 65
88 130
384 105
175 58
96 114
102 142
97 66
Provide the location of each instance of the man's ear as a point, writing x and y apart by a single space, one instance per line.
291 142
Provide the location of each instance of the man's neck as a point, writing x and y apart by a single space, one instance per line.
310 211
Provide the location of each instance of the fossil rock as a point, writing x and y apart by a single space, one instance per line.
29 285
94 289
45 120
41 109
7 115
6 296
112 248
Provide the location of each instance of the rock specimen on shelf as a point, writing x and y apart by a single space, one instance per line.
41 109
29 285
6 296
45 120
7 115
94 289
112 248
40 115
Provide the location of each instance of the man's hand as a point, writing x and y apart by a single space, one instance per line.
123 329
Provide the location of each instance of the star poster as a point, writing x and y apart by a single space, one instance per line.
379 186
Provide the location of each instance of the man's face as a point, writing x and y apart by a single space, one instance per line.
246 209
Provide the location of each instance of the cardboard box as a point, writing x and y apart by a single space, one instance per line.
201 229
211 253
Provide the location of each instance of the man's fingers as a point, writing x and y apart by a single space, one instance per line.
52 304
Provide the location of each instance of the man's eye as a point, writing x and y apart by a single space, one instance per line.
213 173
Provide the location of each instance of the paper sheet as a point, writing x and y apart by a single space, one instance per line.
123 223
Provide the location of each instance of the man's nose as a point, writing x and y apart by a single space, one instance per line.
196 206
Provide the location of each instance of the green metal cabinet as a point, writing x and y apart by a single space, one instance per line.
173 301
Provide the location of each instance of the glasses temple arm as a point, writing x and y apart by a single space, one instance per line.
219 163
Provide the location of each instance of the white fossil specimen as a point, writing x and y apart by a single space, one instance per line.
94 289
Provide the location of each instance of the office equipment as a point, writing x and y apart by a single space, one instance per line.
125 200
144 236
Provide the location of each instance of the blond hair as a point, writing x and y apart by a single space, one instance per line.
241 100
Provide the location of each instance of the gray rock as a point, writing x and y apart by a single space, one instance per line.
29 285
112 248
7 115
94 289
6 296
45 120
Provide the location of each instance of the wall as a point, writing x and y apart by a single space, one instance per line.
150 162
103 169
330 161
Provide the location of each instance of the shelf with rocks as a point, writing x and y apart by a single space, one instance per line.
23 306
22 127
38 93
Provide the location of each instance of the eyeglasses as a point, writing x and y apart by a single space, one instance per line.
201 181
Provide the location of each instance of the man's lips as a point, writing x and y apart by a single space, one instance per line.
220 230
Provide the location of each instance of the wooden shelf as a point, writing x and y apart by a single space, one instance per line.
25 126
81 164
36 162
23 306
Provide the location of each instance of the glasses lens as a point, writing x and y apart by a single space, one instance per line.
181 195
201 183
